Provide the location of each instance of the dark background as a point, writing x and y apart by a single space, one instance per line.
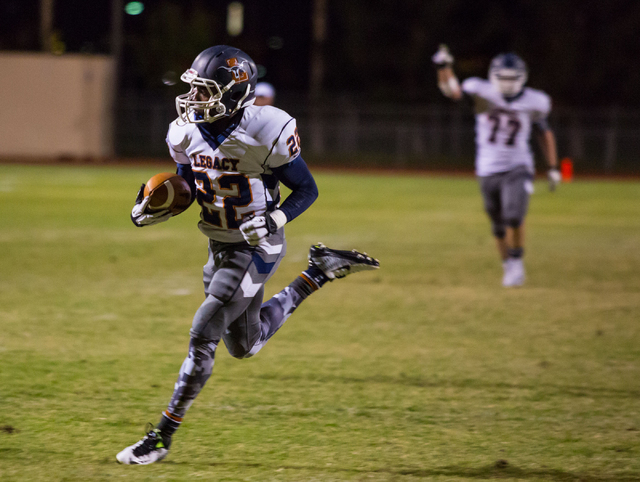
580 52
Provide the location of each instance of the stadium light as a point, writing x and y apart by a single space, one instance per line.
134 8
235 18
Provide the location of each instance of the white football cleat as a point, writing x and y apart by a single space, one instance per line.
514 274
152 448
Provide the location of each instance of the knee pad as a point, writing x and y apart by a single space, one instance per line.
201 343
200 360
238 352
513 222
237 343
202 348
497 223
498 230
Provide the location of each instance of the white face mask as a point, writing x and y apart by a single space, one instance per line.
508 82
191 110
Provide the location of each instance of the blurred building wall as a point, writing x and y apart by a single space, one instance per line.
56 106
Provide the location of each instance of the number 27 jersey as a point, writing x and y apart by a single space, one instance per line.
503 128
233 170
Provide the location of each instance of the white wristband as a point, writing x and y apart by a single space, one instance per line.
278 217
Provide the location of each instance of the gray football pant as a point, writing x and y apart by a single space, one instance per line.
233 311
506 198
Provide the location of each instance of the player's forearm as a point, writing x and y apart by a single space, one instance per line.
187 173
448 83
304 191
548 140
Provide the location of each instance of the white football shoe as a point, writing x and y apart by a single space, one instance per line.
514 274
152 448
505 272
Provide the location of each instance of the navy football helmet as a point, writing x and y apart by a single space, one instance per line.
226 77
508 73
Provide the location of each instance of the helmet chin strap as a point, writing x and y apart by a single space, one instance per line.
239 104
221 109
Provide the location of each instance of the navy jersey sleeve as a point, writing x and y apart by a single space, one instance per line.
186 172
297 177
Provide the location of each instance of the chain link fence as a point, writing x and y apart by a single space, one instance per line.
441 136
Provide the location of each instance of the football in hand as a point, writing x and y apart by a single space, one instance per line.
167 191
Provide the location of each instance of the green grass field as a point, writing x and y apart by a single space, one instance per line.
425 369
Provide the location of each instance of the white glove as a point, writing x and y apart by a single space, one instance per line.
254 230
554 178
442 57
258 228
141 218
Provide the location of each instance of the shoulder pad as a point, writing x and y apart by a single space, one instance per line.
265 123
179 134
539 100
473 85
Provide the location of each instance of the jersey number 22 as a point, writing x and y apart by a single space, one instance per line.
235 191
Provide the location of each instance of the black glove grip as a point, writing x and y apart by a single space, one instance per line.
140 195
133 220
272 227
139 199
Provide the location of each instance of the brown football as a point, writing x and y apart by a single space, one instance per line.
168 191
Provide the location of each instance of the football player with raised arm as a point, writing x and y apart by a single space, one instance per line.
507 114
234 155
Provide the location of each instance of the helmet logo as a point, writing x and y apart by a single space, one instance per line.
238 74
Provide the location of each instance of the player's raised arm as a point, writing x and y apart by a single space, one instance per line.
447 80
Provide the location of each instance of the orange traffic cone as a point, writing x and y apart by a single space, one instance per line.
566 169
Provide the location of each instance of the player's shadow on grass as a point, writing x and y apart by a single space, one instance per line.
500 470
546 388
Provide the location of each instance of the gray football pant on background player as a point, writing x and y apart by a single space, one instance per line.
506 198
234 279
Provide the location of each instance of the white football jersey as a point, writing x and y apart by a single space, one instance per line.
233 170
503 129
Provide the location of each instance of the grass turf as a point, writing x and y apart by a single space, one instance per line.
425 369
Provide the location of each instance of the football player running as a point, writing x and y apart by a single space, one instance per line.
507 114
234 155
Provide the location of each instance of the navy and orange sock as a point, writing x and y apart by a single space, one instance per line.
167 426
310 280
515 253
